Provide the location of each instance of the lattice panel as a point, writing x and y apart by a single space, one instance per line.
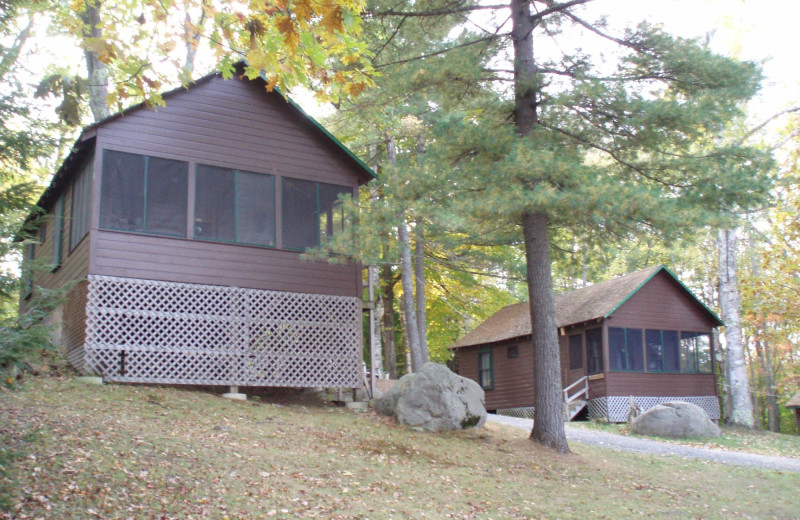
618 405
523 413
175 333
598 408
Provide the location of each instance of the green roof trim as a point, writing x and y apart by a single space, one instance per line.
672 275
325 131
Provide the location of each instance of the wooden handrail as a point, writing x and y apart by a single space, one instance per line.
583 391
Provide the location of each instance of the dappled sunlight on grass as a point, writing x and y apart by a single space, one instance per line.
150 452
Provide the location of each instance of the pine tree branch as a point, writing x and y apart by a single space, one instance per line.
437 12
389 39
600 33
767 121
443 51
557 8
614 155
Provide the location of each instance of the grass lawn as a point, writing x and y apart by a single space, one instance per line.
70 450
732 438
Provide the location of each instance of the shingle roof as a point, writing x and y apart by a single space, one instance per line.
593 302
794 402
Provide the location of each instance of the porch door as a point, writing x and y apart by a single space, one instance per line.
575 362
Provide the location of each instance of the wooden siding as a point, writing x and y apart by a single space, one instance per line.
232 124
661 304
73 332
660 385
74 264
513 378
192 261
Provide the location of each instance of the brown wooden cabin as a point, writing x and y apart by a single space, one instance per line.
794 405
184 228
643 335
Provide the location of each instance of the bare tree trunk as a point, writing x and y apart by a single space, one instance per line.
191 33
742 406
387 328
419 281
412 331
754 385
407 273
98 72
548 422
722 384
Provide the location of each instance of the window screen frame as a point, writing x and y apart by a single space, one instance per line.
81 205
236 174
490 353
343 188
572 351
662 350
601 349
627 349
57 251
145 231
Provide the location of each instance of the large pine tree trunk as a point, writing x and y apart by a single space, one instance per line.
98 72
741 404
548 421
387 322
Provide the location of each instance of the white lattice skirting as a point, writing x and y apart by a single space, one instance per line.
147 331
523 413
615 408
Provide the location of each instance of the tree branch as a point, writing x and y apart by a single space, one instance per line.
443 51
556 9
437 12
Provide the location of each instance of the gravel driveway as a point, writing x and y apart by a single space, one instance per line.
638 445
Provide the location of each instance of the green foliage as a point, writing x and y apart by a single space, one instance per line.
296 42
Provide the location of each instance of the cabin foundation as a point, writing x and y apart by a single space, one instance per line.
146 331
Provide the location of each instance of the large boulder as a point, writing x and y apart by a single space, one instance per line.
675 419
435 399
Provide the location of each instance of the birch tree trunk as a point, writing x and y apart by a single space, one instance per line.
741 403
376 363
98 72
548 421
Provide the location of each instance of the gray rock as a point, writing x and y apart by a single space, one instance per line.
675 419
435 399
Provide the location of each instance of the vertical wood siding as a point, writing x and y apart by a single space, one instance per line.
232 124
74 264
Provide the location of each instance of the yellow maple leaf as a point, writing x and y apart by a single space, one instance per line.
332 19
286 27
303 12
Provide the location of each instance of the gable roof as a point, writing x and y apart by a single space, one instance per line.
794 402
84 144
589 303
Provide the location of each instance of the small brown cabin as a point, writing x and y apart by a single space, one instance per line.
643 335
183 229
